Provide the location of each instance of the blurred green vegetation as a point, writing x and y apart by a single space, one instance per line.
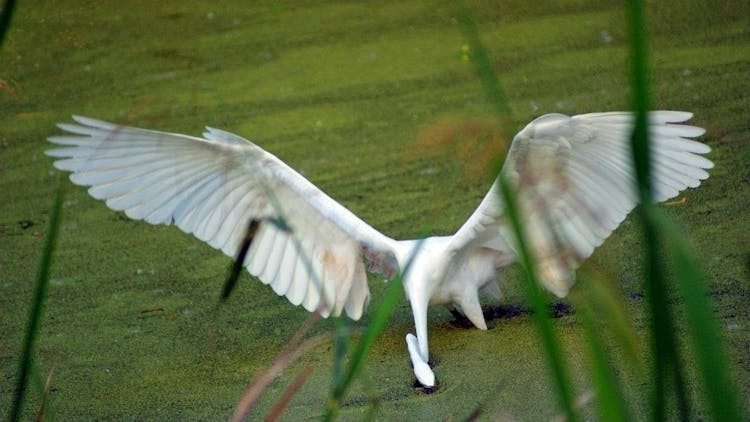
340 91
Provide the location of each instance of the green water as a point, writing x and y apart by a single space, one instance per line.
340 91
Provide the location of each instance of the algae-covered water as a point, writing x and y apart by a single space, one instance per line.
346 93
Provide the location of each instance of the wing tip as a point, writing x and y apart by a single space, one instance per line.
670 116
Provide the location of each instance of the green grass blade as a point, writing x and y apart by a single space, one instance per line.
535 295
37 306
608 392
601 296
482 63
533 292
341 345
667 366
392 294
239 261
639 84
5 18
718 387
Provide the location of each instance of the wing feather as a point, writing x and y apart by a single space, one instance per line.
575 184
275 249
286 269
299 284
308 247
312 296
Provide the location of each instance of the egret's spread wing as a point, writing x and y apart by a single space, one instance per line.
574 179
306 247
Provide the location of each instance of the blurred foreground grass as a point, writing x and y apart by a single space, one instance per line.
340 92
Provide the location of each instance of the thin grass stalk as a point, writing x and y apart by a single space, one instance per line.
598 294
239 261
535 295
5 17
532 289
342 380
278 409
608 392
710 353
341 344
37 306
667 366
44 409
373 397
393 293
482 63
260 382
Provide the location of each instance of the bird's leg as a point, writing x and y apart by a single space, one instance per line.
417 346
420 325
472 309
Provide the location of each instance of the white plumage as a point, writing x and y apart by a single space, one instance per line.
573 177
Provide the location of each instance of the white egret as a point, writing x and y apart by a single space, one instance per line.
573 177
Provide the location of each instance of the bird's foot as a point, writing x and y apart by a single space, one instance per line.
418 386
422 370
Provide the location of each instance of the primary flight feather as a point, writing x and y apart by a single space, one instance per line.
573 177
